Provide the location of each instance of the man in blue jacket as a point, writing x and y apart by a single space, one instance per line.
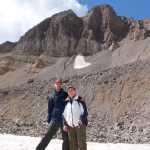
56 104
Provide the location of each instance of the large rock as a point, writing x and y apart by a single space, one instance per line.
102 27
7 47
139 29
6 64
56 36
66 34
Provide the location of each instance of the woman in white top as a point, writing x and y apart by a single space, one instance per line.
75 120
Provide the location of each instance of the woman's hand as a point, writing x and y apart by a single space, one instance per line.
80 123
65 128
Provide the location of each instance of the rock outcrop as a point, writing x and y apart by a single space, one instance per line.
102 28
56 36
6 64
66 34
139 29
7 47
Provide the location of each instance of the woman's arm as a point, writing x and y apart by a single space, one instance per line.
85 113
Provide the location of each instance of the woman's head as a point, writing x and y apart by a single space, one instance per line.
71 91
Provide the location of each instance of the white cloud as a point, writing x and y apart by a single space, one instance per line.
17 16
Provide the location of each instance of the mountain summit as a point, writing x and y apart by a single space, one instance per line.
66 34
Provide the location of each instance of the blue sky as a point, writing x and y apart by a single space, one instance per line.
138 9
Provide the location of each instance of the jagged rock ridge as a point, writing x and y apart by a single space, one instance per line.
66 34
7 47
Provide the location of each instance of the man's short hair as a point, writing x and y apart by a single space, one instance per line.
58 81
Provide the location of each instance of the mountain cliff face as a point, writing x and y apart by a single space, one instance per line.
65 34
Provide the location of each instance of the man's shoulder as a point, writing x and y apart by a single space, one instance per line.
51 95
65 94
63 91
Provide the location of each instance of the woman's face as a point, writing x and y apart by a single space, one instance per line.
71 92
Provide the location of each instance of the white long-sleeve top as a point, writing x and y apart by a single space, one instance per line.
73 111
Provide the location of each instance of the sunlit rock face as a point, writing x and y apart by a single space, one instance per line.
66 34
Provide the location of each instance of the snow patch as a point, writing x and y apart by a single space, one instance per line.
13 142
80 62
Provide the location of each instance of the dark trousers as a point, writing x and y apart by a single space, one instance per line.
53 128
77 138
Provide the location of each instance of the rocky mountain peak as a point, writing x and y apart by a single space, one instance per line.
103 9
66 34
103 25
7 46
66 13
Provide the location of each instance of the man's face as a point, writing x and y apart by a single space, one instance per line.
71 92
58 85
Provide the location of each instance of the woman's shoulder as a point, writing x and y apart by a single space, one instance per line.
80 99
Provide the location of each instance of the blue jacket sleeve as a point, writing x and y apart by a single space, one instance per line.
50 108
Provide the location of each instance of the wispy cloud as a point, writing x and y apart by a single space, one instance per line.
17 16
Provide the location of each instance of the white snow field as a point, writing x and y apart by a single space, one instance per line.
13 142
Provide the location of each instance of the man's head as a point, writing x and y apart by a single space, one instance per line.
71 91
58 84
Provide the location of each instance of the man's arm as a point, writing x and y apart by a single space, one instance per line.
50 108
